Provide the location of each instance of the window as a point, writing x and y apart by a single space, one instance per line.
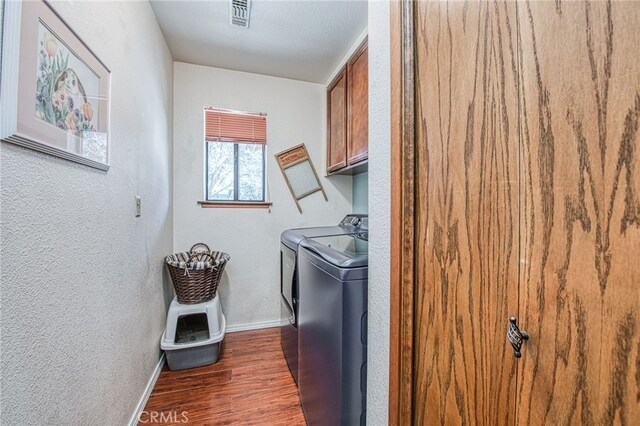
235 156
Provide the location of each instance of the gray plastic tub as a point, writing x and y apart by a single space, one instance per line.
192 357
193 334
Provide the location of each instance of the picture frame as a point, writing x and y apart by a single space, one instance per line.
299 173
54 91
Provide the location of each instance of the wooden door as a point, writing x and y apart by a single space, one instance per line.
358 109
519 132
337 123
580 213
466 217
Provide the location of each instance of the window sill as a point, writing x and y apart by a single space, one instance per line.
235 204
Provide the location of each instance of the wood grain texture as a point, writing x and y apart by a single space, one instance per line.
337 122
561 197
466 247
249 385
358 105
580 212
402 214
235 204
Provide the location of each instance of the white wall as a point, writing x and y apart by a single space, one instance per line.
83 295
348 54
1 23
379 213
250 289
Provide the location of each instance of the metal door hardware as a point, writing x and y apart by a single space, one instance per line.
516 337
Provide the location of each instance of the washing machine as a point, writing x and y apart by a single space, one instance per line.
289 244
332 329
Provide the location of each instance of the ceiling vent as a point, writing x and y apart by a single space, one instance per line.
239 13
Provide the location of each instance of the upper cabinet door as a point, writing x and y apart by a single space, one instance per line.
358 106
337 123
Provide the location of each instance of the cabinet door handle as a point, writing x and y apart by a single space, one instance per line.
516 337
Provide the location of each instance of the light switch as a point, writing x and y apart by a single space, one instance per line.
138 205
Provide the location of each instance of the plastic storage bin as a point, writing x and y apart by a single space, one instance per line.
193 334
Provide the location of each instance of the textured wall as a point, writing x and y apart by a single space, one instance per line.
83 295
1 23
250 289
379 212
361 193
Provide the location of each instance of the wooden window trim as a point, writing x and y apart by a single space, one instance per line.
236 204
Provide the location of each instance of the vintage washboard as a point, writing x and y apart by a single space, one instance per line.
298 171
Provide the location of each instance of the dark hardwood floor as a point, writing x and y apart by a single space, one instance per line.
249 385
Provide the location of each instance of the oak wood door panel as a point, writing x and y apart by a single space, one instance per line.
358 106
580 213
466 241
337 123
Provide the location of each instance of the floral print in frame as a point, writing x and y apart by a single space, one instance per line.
65 87
56 92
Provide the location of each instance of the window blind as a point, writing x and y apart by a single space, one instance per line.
232 126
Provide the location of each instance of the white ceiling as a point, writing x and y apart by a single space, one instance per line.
302 40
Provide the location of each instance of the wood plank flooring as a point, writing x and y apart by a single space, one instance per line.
249 385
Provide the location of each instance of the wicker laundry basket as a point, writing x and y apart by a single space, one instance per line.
196 274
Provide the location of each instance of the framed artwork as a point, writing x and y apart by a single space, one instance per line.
298 171
55 92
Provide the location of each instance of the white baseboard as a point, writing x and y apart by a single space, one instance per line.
253 326
147 391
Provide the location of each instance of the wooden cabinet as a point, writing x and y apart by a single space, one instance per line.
517 197
337 123
358 106
348 116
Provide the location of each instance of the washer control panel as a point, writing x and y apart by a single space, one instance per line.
356 221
